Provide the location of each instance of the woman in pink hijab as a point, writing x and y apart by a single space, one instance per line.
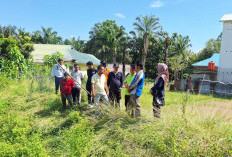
158 90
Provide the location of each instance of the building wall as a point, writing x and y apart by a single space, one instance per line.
225 64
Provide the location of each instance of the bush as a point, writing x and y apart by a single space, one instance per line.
51 60
12 61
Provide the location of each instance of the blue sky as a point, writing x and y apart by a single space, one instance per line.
199 19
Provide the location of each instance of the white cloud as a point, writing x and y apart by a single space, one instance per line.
197 51
156 4
179 1
119 15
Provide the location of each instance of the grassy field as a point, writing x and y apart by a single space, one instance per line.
32 124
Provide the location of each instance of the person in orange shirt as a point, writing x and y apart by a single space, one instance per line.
107 71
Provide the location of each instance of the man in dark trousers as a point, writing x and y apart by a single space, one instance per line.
66 90
90 72
78 78
115 83
58 73
127 82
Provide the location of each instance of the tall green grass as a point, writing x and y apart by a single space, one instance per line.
32 124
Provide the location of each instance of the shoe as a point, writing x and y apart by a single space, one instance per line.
90 106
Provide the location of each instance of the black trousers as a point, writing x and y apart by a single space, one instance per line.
90 98
127 100
115 96
57 82
64 98
76 92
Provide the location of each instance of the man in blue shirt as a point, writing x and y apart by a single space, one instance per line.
135 90
115 83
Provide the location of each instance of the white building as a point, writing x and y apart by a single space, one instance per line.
225 61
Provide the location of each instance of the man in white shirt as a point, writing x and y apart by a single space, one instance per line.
58 73
78 78
99 88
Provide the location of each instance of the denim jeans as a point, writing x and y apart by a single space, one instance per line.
97 98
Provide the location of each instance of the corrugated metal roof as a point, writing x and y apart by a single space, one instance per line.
215 58
40 50
226 17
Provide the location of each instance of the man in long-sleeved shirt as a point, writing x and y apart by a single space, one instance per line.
66 90
115 83
135 90
58 73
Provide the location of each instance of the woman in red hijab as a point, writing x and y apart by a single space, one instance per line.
158 90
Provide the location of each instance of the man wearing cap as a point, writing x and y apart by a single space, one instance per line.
58 73
78 78
90 72
115 83
66 85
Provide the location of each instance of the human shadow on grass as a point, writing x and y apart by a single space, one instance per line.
55 131
49 108
110 115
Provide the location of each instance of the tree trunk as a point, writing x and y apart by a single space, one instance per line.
114 55
175 78
145 48
167 45
124 63
166 55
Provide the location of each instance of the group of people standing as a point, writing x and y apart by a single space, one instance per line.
105 86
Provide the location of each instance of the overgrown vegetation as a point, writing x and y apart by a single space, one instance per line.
33 124
147 42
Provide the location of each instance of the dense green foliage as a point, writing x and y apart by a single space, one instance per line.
12 61
51 60
105 40
46 36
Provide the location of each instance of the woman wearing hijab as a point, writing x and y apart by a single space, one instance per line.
158 91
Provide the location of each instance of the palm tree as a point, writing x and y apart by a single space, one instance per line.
180 54
50 37
109 35
180 45
147 26
47 36
78 44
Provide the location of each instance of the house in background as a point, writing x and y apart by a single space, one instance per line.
202 72
218 80
71 56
